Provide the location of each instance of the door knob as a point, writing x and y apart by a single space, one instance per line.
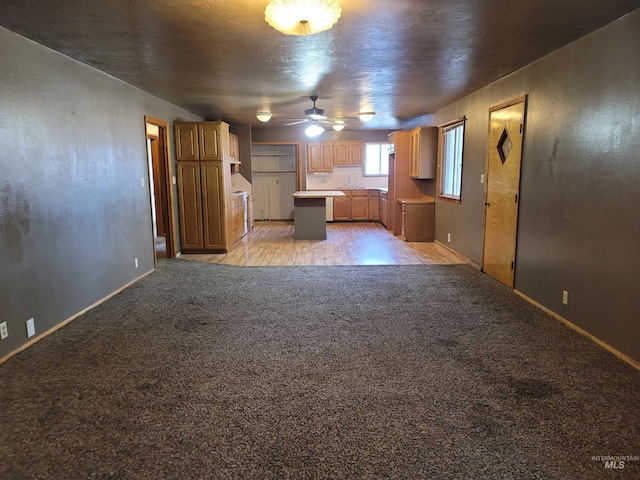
487 204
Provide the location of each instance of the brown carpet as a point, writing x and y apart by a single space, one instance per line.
204 371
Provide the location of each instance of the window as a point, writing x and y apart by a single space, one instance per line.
376 160
451 147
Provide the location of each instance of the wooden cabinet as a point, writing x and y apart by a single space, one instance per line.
342 207
201 216
374 205
401 185
320 157
384 208
186 141
234 149
323 156
213 215
341 153
417 219
356 150
359 204
423 148
199 141
237 217
190 205
348 153
211 141
204 186
356 205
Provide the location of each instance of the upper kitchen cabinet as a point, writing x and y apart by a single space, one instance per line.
234 149
210 137
187 142
201 141
320 157
348 153
423 148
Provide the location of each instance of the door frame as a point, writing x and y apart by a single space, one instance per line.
166 183
508 103
300 175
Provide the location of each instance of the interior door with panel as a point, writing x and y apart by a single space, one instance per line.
502 190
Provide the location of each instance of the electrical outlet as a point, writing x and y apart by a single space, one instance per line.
482 178
4 333
135 262
449 237
31 328
565 297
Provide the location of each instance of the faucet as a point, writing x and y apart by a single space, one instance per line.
347 181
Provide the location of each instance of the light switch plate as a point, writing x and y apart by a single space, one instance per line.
31 328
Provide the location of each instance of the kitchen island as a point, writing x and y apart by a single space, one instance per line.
309 214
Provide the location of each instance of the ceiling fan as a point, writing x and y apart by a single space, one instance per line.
316 116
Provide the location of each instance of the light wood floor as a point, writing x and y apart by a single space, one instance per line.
348 243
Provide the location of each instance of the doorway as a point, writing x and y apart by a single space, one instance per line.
276 174
502 194
160 187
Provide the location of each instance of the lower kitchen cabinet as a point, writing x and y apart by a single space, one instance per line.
362 204
359 204
342 207
374 205
418 219
384 208
238 216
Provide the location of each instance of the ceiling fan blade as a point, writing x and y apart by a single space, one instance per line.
296 122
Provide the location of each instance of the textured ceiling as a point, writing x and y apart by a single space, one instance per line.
220 59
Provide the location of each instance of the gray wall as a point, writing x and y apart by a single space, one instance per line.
73 212
579 223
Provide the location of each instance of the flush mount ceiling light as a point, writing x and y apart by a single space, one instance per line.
366 116
339 125
263 116
302 17
313 130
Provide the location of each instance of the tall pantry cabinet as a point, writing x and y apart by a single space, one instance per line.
204 186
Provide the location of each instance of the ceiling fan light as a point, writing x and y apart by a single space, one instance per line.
263 116
313 130
338 126
302 17
366 116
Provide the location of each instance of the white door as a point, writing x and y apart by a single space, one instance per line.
273 195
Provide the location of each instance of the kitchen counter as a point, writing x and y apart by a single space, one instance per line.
339 189
310 212
318 194
416 201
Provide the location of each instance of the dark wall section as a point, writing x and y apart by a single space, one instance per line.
579 223
244 146
295 133
74 213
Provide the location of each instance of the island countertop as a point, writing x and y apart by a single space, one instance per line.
318 194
